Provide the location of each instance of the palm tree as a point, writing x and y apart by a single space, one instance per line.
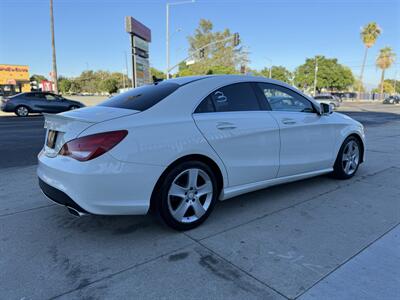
369 34
384 60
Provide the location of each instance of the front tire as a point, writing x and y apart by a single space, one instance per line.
22 111
73 107
187 195
348 159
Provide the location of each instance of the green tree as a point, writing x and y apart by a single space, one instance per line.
387 88
75 87
384 60
331 75
278 73
216 58
109 85
369 34
64 84
37 78
395 84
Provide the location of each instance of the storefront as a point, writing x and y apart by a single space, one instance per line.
14 79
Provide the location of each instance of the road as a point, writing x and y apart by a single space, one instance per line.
319 238
21 140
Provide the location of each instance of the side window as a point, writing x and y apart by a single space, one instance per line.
283 99
235 97
33 96
205 106
50 97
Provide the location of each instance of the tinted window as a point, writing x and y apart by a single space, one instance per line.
143 97
282 99
32 96
235 97
205 106
50 97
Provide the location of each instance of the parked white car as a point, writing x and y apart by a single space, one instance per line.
178 146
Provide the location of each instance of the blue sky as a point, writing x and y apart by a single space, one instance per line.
90 33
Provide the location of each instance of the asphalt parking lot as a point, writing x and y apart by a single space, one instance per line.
316 239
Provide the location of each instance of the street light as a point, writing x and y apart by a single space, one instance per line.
270 68
167 31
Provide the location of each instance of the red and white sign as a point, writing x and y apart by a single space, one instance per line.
47 86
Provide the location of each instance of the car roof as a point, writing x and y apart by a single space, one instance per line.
196 88
231 78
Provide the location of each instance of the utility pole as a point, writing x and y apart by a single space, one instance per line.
167 42
53 46
167 32
315 75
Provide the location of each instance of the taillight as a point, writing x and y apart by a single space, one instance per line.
92 146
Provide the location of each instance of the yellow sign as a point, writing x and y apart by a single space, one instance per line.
15 75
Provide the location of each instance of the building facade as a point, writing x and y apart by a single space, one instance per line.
14 79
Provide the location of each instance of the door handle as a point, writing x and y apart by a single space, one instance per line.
288 121
225 126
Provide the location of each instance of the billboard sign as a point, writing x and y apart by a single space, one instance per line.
136 28
140 39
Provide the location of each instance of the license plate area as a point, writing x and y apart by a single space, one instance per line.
51 139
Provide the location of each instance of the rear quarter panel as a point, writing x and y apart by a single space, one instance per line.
157 141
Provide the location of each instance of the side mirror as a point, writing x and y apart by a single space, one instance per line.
326 109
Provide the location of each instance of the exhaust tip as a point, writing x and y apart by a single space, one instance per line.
75 212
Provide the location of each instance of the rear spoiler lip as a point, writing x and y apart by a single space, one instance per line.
52 117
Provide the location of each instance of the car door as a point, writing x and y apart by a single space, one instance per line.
307 138
37 101
245 137
54 104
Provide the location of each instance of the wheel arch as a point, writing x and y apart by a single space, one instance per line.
192 157
360 140
22 105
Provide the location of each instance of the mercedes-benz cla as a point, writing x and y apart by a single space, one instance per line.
178 146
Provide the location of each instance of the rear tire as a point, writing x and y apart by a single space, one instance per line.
348 159
22 111
187 195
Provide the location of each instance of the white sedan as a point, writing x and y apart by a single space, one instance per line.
178 146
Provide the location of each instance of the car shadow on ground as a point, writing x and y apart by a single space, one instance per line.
227 214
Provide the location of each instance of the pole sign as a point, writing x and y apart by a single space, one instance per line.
140 39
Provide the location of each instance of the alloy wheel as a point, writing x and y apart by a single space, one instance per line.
22 111
350 157
190 195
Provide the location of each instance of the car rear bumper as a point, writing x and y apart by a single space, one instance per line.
102 186
59 196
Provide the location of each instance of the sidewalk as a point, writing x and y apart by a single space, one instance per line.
372 274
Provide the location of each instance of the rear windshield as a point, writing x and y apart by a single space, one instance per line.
143 97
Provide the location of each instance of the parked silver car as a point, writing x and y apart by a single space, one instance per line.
328 99
37 102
